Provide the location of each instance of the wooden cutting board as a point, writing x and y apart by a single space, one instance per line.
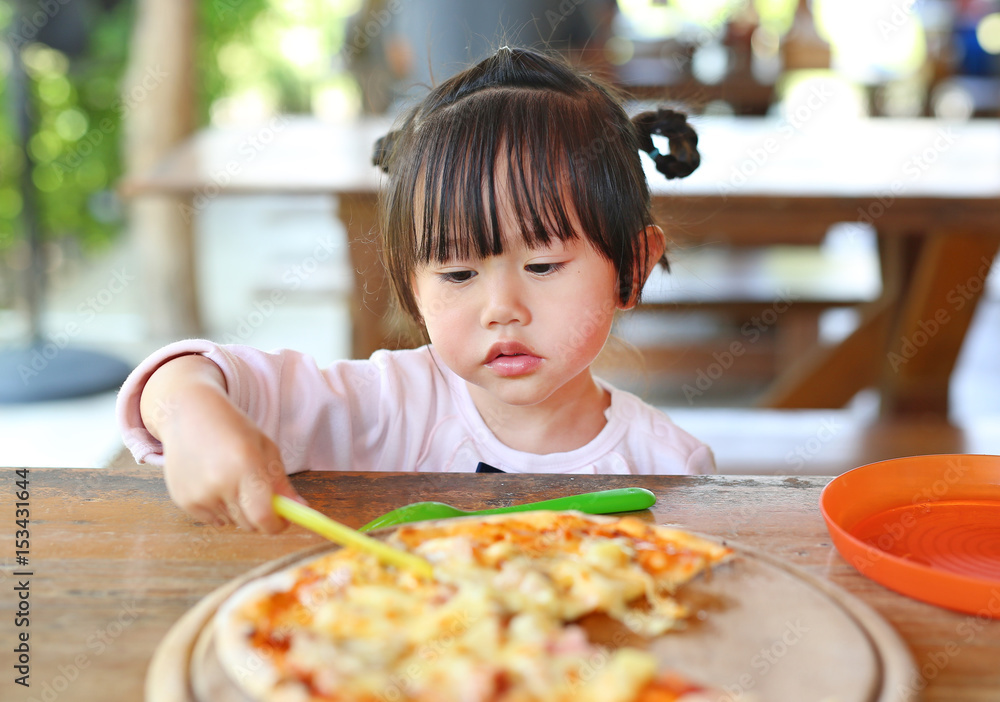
767 631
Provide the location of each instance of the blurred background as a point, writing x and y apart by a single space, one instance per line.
96 91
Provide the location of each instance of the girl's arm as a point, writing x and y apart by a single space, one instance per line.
218 465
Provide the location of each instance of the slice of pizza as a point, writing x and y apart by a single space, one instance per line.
505 618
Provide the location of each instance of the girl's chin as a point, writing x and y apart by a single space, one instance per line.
512 392
523 392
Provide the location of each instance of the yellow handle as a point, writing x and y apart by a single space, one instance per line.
345 536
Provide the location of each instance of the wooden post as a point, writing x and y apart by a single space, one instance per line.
159 113
948 280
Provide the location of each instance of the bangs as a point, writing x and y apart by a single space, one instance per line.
514 148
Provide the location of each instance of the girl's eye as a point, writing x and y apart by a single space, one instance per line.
457 276
543 268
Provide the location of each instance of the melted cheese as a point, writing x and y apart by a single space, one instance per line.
497 623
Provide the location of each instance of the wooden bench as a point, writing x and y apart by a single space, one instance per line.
745 311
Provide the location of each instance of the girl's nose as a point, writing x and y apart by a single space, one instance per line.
505 304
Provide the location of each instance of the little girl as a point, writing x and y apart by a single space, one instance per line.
516 223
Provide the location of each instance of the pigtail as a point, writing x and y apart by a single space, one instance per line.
683 158
382 151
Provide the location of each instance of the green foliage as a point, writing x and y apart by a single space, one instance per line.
77 111
280 53
222 22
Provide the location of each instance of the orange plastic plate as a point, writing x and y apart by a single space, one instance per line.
925 526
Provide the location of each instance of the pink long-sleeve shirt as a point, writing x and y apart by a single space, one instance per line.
402 411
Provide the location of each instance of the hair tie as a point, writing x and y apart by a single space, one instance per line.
683 158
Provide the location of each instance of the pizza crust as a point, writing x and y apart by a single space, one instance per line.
245 665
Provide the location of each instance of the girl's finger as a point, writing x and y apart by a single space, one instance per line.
255 498
285 488
257 490
264 517
215 516
238 515
268 520
216 513
205 516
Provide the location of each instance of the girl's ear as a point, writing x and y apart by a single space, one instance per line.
656 244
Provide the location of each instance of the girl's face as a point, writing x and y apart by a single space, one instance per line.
522 328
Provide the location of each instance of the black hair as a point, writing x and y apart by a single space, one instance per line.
533 122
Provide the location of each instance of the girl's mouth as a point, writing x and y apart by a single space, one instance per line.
511 359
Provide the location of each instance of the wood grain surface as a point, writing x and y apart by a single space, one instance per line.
115 564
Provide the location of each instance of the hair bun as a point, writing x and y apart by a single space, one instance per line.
383 150
683 158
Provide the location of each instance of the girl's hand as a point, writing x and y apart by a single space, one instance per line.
219 467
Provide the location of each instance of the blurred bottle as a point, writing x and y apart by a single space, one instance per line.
802 47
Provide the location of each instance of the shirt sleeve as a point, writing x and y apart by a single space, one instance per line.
144 446
701 461
347 416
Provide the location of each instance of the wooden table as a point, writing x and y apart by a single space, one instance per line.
115 564
931 189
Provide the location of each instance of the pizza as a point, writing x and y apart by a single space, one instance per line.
531 607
